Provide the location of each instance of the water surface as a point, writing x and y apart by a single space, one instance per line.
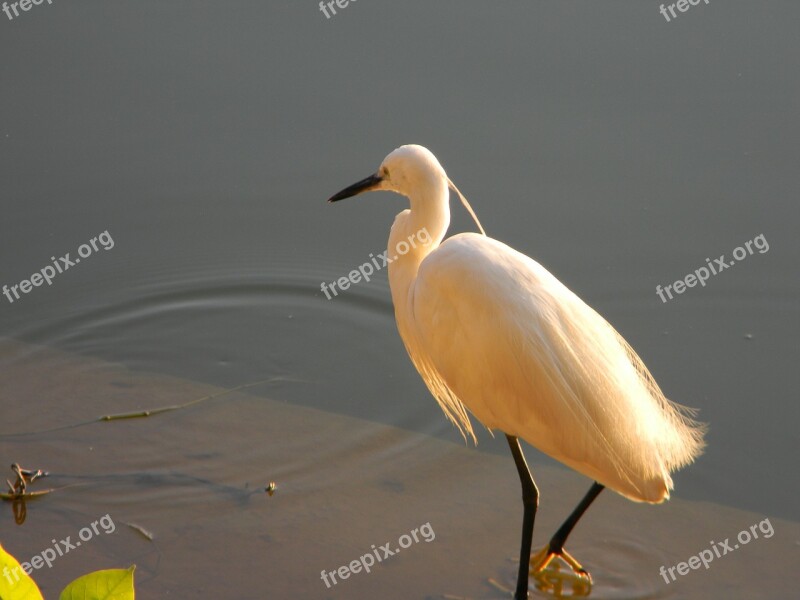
619 150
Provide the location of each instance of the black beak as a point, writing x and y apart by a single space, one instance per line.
364 185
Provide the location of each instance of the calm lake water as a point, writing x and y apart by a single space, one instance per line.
196 143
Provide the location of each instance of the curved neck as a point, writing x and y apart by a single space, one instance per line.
415 234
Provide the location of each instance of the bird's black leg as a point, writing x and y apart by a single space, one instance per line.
560 537
530 502
556 546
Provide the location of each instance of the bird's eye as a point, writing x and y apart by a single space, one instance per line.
385 173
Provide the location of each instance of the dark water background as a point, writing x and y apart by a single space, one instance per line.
616 148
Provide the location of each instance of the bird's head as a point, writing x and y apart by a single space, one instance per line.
404 170
409 170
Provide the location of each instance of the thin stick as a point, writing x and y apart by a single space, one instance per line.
163 409
145 413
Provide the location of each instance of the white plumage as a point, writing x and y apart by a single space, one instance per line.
528 357
492 332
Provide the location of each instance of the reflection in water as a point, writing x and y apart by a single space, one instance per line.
559 583
20 510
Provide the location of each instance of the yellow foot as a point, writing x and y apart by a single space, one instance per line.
573 583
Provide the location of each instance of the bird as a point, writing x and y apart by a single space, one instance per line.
495 335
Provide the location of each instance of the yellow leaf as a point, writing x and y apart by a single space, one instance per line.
112 584
14 582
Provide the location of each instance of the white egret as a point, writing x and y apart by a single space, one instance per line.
492 332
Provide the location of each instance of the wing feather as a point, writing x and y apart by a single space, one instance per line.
495 332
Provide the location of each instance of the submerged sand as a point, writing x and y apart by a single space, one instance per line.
195 478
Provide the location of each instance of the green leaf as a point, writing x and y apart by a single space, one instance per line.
113 584
14 582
